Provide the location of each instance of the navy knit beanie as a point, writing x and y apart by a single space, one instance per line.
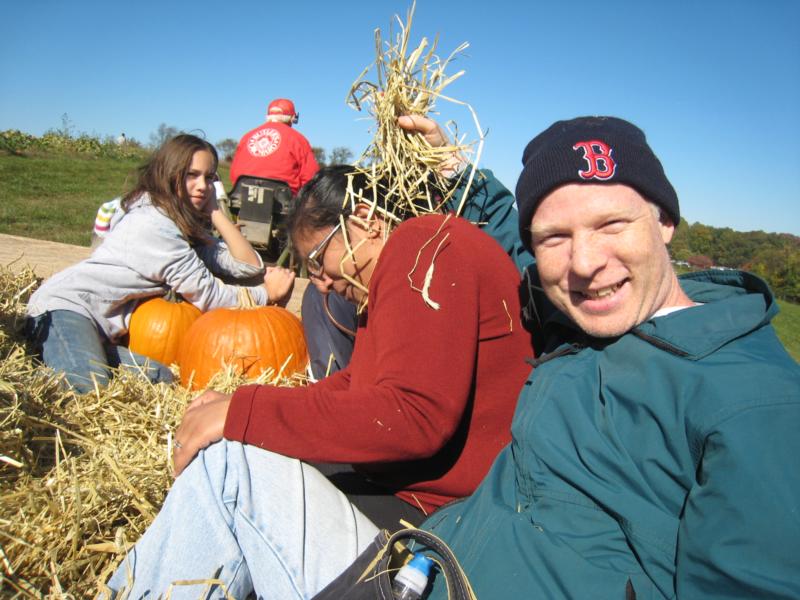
590 150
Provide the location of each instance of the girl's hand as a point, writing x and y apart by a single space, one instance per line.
278 282
202 425
211 202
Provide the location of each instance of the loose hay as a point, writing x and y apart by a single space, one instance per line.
81 476
406 176
404 166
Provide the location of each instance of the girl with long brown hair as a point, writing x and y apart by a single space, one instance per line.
79 318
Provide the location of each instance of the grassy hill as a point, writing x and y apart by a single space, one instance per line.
54 196
787 324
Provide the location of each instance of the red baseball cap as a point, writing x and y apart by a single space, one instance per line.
281 106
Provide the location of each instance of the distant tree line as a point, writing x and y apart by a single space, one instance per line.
64 138
340 155
772 256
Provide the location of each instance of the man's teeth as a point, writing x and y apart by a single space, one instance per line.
602 293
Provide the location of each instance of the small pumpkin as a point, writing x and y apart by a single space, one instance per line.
158 326
251 338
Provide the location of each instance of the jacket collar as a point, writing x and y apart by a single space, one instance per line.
734 303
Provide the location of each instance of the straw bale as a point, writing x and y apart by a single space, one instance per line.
81 476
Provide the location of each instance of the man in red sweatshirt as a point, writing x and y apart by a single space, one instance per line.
274 150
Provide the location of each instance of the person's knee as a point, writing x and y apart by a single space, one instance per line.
344 311
154 371
71 344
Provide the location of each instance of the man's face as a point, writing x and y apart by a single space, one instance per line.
601 255
340 268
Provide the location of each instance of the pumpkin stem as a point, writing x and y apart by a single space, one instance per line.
246 298
171 296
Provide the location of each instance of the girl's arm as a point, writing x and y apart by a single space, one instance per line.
151 244
238 246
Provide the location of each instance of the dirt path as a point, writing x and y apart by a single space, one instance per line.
46 258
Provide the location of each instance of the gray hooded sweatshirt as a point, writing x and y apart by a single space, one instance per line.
144 255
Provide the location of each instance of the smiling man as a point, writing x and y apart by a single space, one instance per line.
654 446
603 259
598 212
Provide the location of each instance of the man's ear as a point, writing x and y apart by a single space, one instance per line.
364 218
362 211
667 228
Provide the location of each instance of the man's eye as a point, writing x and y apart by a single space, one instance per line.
549 240
614 226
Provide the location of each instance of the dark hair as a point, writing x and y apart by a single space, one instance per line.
322 200
163 177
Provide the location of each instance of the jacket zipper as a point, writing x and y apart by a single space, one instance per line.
660 344
569 349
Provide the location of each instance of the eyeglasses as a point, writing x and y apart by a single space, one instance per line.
314 260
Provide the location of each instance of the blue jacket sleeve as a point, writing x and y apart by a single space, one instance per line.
492 207
740 532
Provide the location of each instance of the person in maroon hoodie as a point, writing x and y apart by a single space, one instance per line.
420 412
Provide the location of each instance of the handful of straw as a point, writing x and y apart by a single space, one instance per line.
410 174
405 175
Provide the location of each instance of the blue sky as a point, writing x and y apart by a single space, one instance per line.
715 84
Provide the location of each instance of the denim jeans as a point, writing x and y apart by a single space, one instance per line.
71 344
329 348
258 521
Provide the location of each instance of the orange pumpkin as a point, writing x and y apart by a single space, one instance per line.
158 325
251 339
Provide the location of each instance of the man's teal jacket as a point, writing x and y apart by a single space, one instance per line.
660 464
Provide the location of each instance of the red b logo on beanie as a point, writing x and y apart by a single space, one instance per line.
598 155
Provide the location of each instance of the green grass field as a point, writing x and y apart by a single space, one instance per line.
787 324
55 197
